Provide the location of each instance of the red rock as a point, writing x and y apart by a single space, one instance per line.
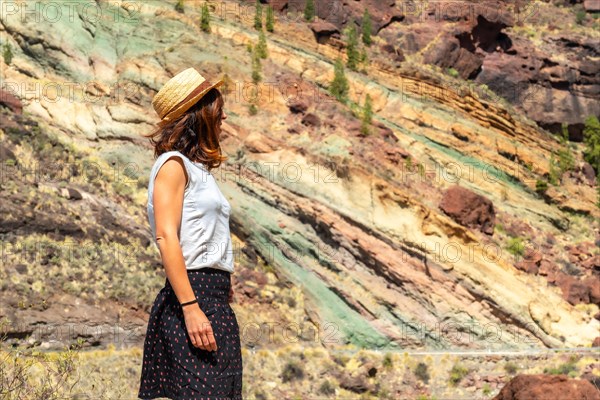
469 209
324 30
311 119
545 387
574 290
591 5
7 99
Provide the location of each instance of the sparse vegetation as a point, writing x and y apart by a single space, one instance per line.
553 174
422 372
27 373
327 388
510 368
179 7
486 389
516 246
292 371
541 187
566 161
457 373
453 72
568 368
387 361
7 53
580 17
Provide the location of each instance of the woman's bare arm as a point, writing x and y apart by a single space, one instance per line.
168 193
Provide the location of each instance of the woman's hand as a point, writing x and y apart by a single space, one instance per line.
199 328
230 294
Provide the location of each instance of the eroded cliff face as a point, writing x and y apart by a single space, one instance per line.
351 227
533 54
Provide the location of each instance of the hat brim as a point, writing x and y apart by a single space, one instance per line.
183 107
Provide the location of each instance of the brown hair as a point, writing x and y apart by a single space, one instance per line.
195 134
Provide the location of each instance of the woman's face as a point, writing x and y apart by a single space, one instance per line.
224 116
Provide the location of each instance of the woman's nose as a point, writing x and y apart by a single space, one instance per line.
224 115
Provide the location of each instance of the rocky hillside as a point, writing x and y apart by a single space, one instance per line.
430 233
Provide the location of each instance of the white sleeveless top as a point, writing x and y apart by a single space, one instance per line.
204 234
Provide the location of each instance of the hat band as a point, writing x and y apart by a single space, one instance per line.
199 89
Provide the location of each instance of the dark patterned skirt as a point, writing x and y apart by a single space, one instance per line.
172 366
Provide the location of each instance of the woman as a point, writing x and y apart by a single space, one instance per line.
192 346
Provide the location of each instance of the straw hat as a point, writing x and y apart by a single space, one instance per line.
180 93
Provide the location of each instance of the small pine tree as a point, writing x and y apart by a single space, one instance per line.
256 66
367 116
261 47
363 56
258 16
270 19
205 18
366 28
339 87
591 138
179 7
253 109
309 10
7 54
352 48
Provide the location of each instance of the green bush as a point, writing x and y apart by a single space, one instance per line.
457 373
7 54
179 7
387 361
421 372
580 17
568 368
516 246
510 368
327 388
292 371
452 72
541 187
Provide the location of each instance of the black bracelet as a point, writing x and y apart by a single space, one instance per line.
189 302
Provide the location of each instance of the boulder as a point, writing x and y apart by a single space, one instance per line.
311 119
11 102
324 30
539 387
591 5
469 209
